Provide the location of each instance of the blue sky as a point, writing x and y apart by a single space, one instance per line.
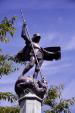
55 21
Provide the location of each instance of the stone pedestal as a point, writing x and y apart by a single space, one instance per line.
30 93
30 103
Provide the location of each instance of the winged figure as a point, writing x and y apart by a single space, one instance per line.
35 54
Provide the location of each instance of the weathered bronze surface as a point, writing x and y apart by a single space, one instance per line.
35 54
25 85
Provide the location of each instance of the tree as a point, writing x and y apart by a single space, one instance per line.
6 27
55 101
9 110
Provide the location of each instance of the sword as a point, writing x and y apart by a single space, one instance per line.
22 16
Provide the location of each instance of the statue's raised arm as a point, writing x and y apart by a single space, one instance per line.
24 34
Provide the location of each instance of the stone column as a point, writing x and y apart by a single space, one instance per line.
30 103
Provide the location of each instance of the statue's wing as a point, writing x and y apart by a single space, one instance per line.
51 53
22 55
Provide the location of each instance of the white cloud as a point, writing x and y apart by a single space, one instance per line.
51 36
69 90
51 39
70 44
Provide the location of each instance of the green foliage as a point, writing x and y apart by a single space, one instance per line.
56 103
6 65
7 26
5 68
8 96
9 110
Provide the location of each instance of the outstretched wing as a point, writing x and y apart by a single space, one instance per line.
51 53
23 55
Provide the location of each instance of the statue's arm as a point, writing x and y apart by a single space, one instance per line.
24 33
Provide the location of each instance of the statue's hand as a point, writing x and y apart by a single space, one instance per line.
24 23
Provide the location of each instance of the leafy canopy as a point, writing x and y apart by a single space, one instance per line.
55 101
7 26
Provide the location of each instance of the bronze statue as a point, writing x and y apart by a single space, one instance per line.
26 84
33 53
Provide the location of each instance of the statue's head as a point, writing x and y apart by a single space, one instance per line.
36 37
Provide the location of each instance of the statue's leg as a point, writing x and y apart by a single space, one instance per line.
29 65
37 68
